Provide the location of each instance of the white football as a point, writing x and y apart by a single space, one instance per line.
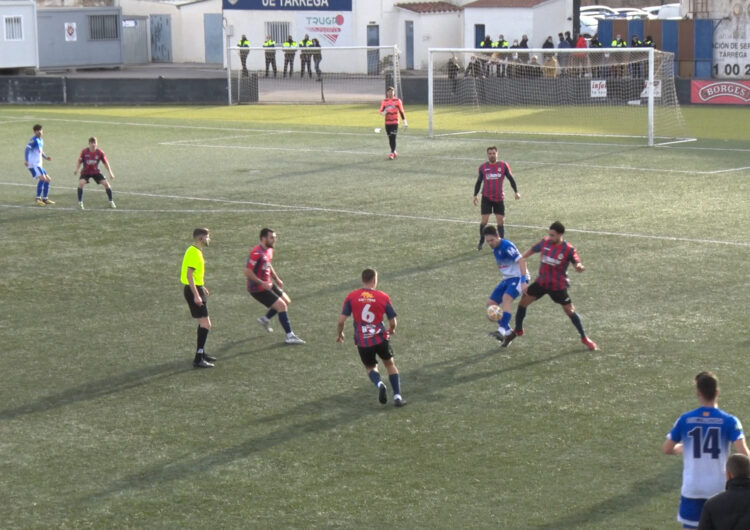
494 312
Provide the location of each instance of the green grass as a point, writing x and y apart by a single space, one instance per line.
106 424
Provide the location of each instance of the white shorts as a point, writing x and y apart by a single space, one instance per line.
37 172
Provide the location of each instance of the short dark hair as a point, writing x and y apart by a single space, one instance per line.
558 227
37 127
264 232
199 232
738 466
708 385
490 230
92 139
491 148
368 275
390 88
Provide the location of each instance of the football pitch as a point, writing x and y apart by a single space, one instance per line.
105 424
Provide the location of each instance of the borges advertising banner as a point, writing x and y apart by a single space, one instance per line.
720 92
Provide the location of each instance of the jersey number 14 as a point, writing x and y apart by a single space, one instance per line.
705 444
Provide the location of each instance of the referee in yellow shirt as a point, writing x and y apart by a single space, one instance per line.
196 293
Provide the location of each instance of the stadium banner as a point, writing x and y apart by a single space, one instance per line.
598 88
732 40
289 5
720 92
329 29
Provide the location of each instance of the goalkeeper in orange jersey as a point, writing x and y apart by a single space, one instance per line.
391 107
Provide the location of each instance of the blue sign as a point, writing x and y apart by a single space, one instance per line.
289 5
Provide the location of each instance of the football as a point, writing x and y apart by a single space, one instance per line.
494 312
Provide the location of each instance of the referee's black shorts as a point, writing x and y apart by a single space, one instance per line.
268 298
196 311
496 207
368 353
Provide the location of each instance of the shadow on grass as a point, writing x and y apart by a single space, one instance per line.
309 419
121 382
639 493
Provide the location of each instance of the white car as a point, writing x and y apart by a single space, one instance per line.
669 11
597 11
631 13
589 25
652 11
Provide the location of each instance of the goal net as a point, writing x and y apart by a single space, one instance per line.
595 92
353 74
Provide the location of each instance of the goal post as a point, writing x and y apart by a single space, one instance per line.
290 75
595 92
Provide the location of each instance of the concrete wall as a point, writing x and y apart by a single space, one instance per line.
19 53
57 52
438 30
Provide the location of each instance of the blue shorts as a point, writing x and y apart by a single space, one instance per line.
510 286
37 172
690 512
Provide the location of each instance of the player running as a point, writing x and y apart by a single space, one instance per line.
491 177
515 278
90 158
33 155
261 276
367 306
556 255
391 107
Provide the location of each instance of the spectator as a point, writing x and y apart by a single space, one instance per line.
502 59
474 68
524 44
453 70
570 39
270 46
305 56
317 56
730 509
549 43
636 67
563 45
290 50
244 43
649 42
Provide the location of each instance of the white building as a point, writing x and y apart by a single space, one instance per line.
18 42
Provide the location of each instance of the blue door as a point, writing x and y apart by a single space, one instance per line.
212 33
409 30
161 38
478 34
373 56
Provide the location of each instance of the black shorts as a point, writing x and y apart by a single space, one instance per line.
496 207
559 297
196 311
368 353
268 298
391 128
98 177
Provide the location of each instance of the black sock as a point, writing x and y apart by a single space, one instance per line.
202 336
577 323
501 230
109 193
481 233
80 194
520 315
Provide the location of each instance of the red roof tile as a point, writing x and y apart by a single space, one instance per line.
504 3
429 7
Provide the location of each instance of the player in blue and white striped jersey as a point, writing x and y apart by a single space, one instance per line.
34 154
512 266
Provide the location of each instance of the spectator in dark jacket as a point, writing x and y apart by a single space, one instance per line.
730 509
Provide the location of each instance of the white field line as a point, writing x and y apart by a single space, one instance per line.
727 170
339 133
302 208
138 211
190 143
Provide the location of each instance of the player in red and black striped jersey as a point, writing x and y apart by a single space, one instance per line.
492 175
391 107
265 286
556 255
89 159
367 307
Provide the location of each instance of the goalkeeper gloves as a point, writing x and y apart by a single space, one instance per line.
406 125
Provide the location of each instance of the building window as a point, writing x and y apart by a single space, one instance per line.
279 31
13 28
103 27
